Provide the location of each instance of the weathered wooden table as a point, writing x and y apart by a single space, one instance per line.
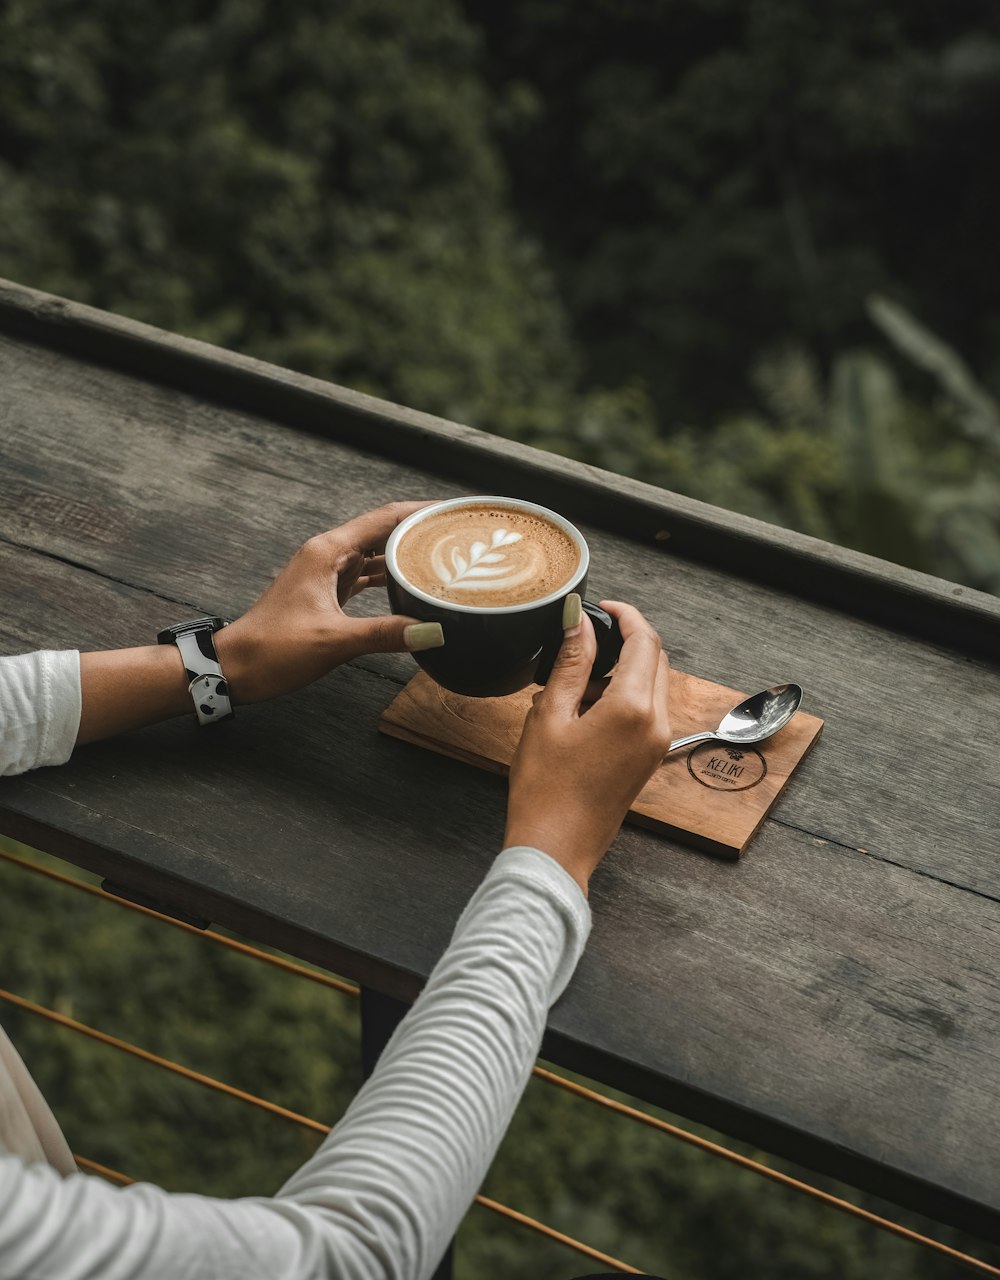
834 997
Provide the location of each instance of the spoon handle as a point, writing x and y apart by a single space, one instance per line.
692 737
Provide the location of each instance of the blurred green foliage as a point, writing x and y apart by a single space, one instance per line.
853 457
624 232
710 177
313 184
731 247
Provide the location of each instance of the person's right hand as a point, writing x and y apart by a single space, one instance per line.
298 630
578 768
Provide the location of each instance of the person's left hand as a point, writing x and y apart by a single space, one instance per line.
580 764
298 630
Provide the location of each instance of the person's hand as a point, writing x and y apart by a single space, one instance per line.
298 631
579 767
295 633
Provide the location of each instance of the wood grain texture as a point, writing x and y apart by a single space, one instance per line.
822 1003
709 796
897 772
832 996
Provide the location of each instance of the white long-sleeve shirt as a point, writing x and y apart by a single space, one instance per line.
386 1190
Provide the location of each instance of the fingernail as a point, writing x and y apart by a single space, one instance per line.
572 611
423 635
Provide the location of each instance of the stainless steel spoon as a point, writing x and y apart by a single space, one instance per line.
753 720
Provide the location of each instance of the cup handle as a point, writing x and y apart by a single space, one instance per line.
609 645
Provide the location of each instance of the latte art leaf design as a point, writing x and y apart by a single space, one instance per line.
481 562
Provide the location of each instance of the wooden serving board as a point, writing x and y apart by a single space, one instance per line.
712 796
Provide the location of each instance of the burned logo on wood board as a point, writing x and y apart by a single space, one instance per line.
726 768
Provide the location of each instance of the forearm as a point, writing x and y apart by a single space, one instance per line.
123 689
53 700
414 1146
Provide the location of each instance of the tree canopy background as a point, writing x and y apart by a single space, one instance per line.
743 249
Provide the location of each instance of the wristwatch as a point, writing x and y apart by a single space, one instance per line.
207 685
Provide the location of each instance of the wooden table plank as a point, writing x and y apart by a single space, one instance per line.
821 1002
115 473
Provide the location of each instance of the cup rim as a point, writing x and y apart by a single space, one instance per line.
392 566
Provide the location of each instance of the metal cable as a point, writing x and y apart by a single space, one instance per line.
29 1006
102 1171
300 971
589 1251
754 1166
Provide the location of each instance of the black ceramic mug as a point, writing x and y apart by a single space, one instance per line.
496 649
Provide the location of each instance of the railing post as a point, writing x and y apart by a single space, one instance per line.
380 1016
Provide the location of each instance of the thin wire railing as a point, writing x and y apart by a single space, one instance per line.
540 1073
102 1171
764 1171
220 939
153 1059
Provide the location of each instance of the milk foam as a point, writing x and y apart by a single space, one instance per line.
482 566
487 556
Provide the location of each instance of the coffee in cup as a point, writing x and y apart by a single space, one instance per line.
487 556
495 573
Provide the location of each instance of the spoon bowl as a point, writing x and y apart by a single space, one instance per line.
755 719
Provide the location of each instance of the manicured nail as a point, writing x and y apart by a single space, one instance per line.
572 610
423 635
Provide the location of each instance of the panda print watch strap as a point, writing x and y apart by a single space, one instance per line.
206 683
